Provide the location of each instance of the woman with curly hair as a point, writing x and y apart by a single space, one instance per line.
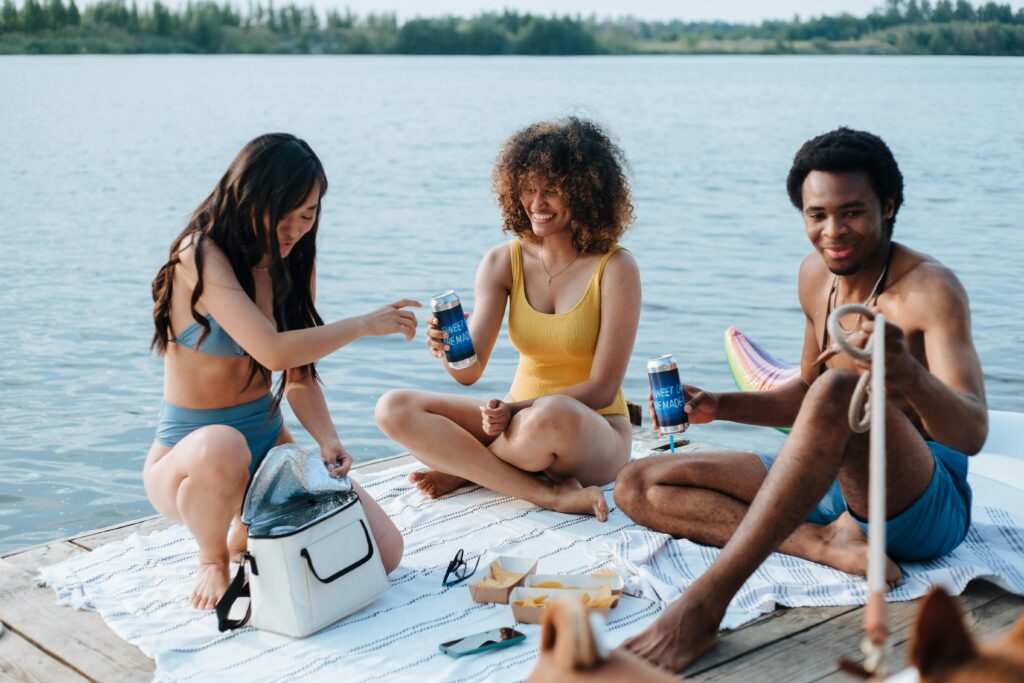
562 431
234 302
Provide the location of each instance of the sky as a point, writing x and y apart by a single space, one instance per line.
740 11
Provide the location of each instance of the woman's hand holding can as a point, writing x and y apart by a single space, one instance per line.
437 339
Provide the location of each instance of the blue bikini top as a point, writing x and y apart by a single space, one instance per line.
217 343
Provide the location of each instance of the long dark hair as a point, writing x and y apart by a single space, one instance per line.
272 176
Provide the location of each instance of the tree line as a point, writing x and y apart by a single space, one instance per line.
898 26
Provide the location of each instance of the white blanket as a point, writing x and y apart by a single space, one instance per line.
139 585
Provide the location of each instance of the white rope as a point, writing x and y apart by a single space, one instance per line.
867 411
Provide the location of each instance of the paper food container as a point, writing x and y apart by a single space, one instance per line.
519 565
583 582
532 615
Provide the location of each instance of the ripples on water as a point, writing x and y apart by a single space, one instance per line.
104 158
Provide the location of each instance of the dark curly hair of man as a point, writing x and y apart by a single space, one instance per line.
845 150
587 167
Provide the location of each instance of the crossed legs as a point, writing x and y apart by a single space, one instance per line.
577 449
819 448
703 497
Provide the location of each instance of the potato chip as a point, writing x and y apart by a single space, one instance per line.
535 601
551 584
602 599
500 577
607 572
602 603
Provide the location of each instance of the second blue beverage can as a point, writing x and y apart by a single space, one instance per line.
667 391
448 310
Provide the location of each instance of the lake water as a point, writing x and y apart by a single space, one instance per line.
103 158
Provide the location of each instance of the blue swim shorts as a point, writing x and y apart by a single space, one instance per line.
258 425
933 525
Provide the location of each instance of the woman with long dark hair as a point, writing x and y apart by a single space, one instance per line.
234 303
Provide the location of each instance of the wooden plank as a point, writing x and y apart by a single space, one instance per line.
119 525
763 633
812 654
33 560
94 540
383 463
992 620
20 660
987 623
75 637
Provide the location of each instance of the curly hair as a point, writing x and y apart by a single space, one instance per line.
586 166
843 150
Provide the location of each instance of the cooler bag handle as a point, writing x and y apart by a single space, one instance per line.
239 588
345 570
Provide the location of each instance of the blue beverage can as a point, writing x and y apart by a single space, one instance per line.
448 310
668 394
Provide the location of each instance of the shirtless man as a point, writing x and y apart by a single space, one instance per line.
812 501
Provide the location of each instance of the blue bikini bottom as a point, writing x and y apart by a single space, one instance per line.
253 419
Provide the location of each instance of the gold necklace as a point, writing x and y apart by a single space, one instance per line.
550 276
873 296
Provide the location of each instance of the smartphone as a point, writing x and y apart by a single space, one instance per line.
482 642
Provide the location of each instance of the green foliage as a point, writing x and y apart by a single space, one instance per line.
555 36
958 38
158 20
898 26
9 17
56 14
429 37
963 11
32 18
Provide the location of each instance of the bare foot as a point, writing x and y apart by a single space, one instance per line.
434 484
574 498
211 583
238 540
684 631
846 549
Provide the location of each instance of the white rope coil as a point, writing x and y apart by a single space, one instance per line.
860 405
867 410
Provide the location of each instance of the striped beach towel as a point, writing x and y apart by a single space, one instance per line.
139 585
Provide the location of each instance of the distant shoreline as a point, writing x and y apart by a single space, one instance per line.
902 27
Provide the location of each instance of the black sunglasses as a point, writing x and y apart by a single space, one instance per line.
458 570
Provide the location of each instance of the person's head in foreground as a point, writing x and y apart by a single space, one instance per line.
565 175
848 187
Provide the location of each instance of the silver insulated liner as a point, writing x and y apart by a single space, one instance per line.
291 490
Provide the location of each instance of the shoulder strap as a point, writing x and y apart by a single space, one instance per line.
238 588
604 260
515 251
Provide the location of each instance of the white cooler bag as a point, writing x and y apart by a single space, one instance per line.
311 557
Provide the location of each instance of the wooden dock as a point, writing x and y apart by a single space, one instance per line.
43 642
